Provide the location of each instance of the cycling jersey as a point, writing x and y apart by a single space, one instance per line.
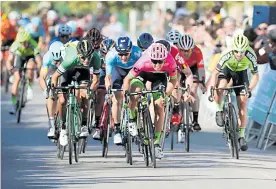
178 57
35 34
54 39
18 49
48 62
196 58
144 64
113 59
8 32
71 60
228 59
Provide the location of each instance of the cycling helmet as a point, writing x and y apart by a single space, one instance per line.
23 36
106 45
158 51
73 24
95 36
123 45
36 21
144 40
240 42
64 29
13 15
186 42
55 50
85 47
52 15
165 43
173 36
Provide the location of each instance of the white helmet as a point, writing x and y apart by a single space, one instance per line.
52 15
186 42
173 36
64 30
55 50
73 24
13 15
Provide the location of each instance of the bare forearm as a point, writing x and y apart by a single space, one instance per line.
254 81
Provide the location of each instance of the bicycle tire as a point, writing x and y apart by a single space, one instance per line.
104 129
146 154
81 145
151 138
129 143
234 130
109 121
76 151
187 127
21 99
172 139
69 128
91 115
166 124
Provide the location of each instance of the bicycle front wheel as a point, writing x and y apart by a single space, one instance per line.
187 126
151 138
21 100
233 128
69 126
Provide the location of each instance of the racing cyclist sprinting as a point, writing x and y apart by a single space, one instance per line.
153 66
79 60
233 64
51 61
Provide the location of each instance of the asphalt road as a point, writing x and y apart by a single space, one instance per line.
29 160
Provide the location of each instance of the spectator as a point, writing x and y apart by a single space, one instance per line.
114 29
230 29
260 42
158 25
168 20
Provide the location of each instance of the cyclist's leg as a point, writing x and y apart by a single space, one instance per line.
30 74
223 79
195 104
176 94
242 78
117 101
18 64
136 85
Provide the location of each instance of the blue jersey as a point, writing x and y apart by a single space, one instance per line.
35 34
47 62
113 59
54 39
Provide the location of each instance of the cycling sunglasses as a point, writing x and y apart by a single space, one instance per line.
157 61
236 51
64 36
123 54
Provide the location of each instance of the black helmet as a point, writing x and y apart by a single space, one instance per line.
144 40
85 47
165 43
95 36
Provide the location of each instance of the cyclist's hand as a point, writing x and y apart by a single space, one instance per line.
189 98
107 85
54 83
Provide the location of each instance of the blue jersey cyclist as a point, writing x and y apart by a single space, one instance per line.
119 62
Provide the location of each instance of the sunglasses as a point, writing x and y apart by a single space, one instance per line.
157 61
64 36
241 52
123 54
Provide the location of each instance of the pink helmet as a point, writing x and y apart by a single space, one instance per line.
158 51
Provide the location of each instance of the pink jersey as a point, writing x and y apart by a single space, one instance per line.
144 64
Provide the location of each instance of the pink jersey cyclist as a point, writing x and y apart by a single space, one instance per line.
144 64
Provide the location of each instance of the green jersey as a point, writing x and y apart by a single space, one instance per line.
228 59
18 49
71 60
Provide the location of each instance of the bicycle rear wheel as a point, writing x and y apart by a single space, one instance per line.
6 77
233 128
76 151
172 139
129 146
91 115
105 130
21 100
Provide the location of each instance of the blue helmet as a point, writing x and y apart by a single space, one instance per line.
123 45
144 40
106 45
36 21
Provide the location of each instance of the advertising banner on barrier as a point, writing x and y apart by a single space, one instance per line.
272 115
259 106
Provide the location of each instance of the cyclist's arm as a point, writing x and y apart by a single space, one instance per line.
173 79
109 66
252 58
200 66
95 71
44 71
189 76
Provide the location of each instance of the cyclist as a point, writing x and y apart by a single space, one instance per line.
64 32
105 47
23 50
95 37
233 64
152 66
51 61
119 62
194 58
144 41
36 30
173 36
81 61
